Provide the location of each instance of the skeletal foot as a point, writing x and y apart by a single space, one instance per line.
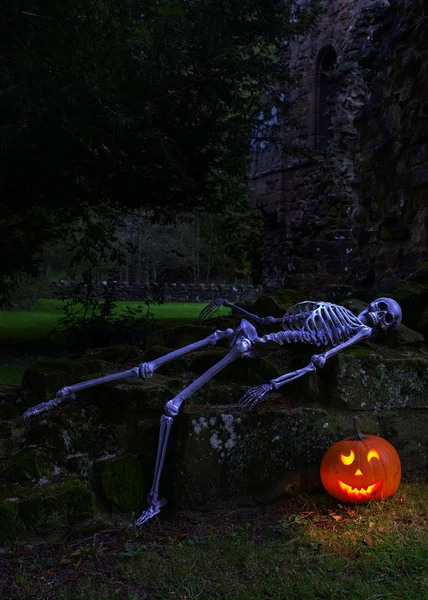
153 510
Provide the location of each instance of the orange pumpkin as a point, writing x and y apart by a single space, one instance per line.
361 468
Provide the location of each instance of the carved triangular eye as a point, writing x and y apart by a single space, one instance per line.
373 454
348 460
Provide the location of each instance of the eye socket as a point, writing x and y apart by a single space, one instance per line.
347 460
389 318
382 306
372 454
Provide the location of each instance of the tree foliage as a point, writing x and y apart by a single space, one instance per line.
112 105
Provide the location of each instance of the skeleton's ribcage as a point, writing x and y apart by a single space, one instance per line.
320 323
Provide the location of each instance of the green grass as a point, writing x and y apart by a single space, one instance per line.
22 331
11 373
20 325
323 551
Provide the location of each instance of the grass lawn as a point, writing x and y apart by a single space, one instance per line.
22 333
34 324
309 548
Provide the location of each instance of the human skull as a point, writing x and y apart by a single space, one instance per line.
383 312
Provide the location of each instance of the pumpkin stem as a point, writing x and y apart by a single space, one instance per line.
357 433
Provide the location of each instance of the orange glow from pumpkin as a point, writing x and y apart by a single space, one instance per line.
356 493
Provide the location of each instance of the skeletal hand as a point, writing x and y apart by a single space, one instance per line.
48 405
210 309
252 397
37 410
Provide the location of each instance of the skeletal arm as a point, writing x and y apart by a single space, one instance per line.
214 306
144 370
68 392
255 395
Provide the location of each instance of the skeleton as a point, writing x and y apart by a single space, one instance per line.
317 323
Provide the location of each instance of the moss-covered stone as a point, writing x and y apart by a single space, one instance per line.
135 395
276 303
413 299
8 513
229 457
242 371
43 379
404 336
9 392
87 429
420 275
174 366
49 436
57 506
355 305
423 324
28 465
177 337
365 379
116 354
122 482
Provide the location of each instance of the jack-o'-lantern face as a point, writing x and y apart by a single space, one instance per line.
360 470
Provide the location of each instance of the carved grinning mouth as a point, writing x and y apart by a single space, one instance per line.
359 493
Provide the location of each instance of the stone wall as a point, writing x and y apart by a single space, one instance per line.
353 213
171 292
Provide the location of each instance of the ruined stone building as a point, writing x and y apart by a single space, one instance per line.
350 213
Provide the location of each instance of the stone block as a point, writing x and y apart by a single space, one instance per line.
28 465
116 353
227 457
57 506
43 379
122 482
373 378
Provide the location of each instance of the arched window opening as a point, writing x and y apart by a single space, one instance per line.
325 62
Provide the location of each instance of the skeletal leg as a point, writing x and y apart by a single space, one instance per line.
146 369
152 498
240 348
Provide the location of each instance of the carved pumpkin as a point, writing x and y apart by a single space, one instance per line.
361 468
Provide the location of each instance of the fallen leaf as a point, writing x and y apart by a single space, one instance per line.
368 540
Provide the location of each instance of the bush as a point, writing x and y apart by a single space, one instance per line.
89 321
21 291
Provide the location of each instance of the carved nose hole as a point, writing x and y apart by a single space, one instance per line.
357 472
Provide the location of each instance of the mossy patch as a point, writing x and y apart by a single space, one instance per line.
28 465
412 296
245 371
8 514
116 354
122 482
88 430
135 394
174 366
58 506
43 379
276 303
49 436
363 379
